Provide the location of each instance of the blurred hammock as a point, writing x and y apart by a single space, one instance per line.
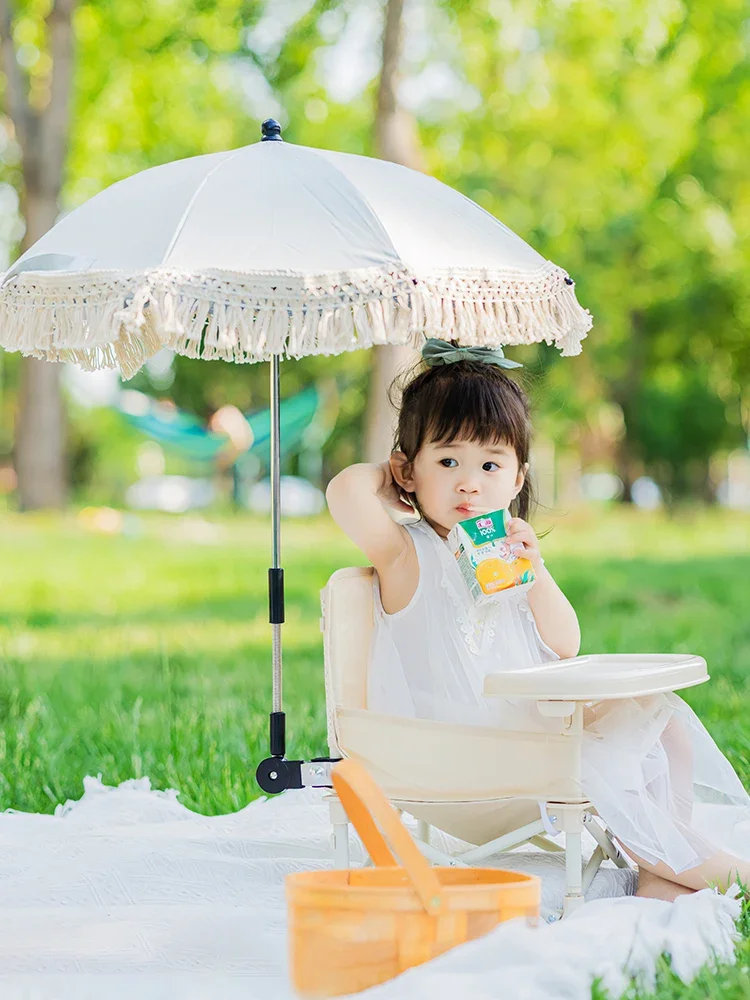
303 424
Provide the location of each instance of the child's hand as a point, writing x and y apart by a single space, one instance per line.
390 494
522 535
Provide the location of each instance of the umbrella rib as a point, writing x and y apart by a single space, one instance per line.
193 198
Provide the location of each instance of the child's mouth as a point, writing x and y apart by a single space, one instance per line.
467 509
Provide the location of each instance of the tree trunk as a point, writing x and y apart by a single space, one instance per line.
625 392
40 437
387 364
395 140
42 136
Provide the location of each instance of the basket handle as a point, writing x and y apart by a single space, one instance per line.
384 835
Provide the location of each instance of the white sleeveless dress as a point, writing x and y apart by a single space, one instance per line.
650 768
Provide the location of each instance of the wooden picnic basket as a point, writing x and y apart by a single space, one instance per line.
352 929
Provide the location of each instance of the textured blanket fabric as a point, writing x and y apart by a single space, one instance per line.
127 893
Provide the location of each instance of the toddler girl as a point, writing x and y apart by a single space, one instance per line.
651 770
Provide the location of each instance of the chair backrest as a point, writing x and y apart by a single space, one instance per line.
415 759
347 601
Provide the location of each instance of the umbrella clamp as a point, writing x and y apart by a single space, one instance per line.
275 774
317 773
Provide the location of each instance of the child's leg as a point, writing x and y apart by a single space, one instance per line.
653 887
679 749
658 880
720 870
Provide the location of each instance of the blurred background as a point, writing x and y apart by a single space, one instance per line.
612 136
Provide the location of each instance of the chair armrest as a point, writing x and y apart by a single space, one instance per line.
600 677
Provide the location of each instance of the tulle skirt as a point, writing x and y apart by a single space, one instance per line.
660 783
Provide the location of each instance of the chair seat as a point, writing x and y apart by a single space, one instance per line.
421 760
600 677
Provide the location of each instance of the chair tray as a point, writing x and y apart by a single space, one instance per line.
600 677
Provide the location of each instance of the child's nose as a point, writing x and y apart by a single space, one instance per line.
468 486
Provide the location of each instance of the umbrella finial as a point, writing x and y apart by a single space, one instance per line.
271 131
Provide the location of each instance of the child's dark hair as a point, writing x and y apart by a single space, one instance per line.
467 400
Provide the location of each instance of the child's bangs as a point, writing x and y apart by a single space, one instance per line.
479 414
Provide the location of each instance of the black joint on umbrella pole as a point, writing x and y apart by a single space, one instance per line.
274 774
276 596
270 131
278 734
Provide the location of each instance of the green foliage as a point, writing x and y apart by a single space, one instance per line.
610 136
677 424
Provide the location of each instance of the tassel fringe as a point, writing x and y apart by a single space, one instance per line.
101 319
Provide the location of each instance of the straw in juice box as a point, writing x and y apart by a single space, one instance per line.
487 562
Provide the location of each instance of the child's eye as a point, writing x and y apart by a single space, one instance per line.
448 463
490 466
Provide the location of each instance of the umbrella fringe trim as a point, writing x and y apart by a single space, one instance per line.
114 320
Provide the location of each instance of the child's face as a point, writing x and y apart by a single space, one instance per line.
459 480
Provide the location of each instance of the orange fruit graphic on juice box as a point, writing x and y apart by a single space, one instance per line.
488 565
495 574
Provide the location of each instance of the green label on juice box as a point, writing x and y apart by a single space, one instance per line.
485 528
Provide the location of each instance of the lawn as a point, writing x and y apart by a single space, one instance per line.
148 653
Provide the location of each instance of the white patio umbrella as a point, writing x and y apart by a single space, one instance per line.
272 251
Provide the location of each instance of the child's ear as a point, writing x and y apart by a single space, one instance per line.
401 471
521 477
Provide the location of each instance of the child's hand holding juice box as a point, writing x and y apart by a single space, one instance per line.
488 564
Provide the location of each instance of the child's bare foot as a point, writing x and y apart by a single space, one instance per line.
654 887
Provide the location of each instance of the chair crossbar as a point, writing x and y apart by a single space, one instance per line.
546 845
605 842
592 867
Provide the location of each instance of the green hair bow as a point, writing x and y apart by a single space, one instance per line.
440 352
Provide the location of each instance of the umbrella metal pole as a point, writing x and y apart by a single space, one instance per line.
275 773
276 573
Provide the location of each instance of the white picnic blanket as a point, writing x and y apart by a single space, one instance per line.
126 893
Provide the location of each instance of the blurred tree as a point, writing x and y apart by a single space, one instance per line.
677 424
396 139
37 99
151 84
612 137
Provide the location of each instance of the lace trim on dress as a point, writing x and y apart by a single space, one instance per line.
477 629
477 625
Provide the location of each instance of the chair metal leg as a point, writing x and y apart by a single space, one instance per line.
423 831
573 873
569 819
340 823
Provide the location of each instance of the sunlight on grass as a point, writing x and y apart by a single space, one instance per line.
148 653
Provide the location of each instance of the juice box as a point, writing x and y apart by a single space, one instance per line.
487 562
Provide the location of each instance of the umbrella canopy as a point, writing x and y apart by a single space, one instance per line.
278 249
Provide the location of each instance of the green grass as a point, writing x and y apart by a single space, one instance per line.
149 653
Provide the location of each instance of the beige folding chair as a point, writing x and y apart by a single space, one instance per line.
491 788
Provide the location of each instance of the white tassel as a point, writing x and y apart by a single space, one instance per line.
106 319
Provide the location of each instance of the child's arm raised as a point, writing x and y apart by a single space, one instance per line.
357 499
